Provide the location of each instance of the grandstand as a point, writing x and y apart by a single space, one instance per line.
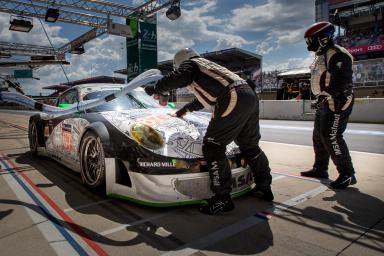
360 29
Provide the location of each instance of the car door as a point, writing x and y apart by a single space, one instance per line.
59 142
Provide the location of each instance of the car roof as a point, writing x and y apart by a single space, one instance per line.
87 88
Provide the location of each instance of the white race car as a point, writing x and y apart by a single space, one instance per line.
133 148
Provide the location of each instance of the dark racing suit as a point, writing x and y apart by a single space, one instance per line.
235 108
331 82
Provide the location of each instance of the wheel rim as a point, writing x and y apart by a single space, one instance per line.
33 137
93 161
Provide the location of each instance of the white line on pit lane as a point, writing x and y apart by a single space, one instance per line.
86 205
122 227
221 234
301 128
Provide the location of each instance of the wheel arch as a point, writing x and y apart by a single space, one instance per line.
102 132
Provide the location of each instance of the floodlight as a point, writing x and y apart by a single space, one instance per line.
21 24
52 15
5 55
174 11
78 50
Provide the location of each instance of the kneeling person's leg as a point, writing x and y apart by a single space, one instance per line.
219 170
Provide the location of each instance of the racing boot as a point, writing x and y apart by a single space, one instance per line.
218 204
263 193
343 181
315 173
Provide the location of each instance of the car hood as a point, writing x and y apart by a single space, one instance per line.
183 137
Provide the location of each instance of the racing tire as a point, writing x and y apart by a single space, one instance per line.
92 161
33 137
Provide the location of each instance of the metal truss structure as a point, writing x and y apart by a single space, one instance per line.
26 49
33 64
82 12
38 11
96 14
114 9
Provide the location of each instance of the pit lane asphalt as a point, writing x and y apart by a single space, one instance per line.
307 217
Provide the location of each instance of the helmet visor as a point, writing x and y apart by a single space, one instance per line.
309 40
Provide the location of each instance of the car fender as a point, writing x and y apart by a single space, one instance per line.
102 132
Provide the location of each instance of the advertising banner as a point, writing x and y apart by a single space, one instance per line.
133 62
356 50
148 46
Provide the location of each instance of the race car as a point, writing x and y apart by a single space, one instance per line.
132 147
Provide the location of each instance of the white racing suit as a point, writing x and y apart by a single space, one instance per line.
331 80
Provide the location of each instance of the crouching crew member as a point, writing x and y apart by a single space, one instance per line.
235 109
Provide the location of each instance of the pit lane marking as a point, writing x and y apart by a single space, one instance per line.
322 181
231 230
122 227
49 210
86 205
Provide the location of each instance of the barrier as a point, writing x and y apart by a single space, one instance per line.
364 111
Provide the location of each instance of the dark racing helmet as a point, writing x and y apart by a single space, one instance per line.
319 35
183 55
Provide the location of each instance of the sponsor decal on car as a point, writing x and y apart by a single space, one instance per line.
244 179
172 164
67 136
152 120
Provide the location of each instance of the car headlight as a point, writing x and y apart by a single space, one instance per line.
146 136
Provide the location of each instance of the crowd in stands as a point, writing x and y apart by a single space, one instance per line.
361 37
368 71
269 80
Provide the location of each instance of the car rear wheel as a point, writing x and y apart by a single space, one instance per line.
33 139
92 161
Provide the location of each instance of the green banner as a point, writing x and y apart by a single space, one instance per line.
148 46
23 73
133 61
142 48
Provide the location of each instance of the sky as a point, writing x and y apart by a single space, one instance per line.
271 28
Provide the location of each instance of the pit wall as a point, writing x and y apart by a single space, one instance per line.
364 111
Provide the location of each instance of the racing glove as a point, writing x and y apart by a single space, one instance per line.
150 90
181 112
320 99
340 101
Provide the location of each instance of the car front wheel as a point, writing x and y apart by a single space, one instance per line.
33 137
92 161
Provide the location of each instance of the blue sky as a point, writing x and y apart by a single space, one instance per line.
271 28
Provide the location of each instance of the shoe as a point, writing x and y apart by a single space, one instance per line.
343 181
217 205
315 173
264 194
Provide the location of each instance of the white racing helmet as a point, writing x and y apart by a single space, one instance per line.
183 55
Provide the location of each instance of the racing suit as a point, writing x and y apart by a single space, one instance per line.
235 109
331 82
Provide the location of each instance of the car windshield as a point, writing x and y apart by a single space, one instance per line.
135 99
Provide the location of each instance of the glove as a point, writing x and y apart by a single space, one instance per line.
181 112
150 90
320 99
340 102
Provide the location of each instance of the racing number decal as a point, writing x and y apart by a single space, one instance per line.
67 137
153 120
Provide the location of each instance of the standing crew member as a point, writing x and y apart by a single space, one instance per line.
235 109
331 83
